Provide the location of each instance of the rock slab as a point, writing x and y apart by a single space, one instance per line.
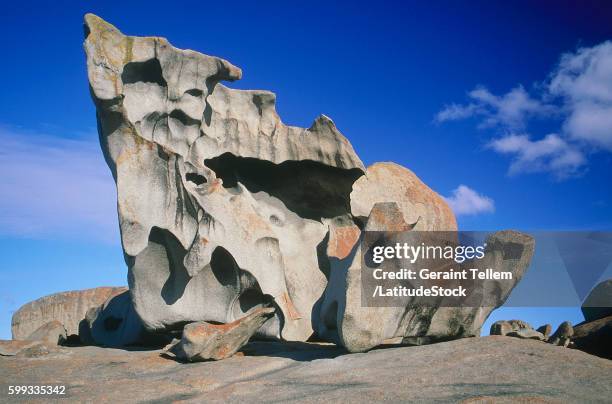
489 369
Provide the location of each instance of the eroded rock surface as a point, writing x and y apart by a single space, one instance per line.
203 341
517 329
470 370
69 308
114 323
223 208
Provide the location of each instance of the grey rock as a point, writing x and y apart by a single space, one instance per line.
563 334
545 329
69 308
51 333
527 333
115 323
488 369
203 341
360 328
504 327
222 207
598 303
517 329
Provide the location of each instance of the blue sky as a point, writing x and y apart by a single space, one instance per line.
503 107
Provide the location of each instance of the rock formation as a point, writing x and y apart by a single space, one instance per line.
114 324
69 308
203 341
594 337
223 208
563 335
517 329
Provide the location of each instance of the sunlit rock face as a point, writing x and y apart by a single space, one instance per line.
223 208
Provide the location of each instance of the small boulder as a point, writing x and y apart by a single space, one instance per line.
545 329
203 341
563 334
504 327
51 333
598 303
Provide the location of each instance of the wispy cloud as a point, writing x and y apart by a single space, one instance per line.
509 110
578 92
552 154
465 201
55 187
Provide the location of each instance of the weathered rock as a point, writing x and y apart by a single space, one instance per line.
69 308
504 327
470 370
527 333
52 333
421 208
222 207
203 341
345 320
115 323
517 329
545 329
563 334
598 303
594 337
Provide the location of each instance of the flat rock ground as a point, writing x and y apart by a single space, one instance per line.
488 369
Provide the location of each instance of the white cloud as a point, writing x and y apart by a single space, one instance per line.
584 81
465 201
510 110
53 186
578 92
456 112
550 154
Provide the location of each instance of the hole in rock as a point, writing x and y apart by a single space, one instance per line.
224 268
310 189
147 72
195 178
196 92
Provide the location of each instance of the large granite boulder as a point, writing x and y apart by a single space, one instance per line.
598 303
345 320
594 337
69 308
223 208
